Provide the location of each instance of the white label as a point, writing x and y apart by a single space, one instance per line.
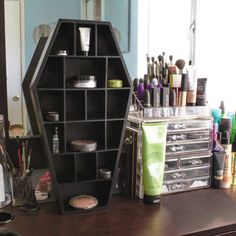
2 189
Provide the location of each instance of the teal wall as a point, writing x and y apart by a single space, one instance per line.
131 58
45 12
48 11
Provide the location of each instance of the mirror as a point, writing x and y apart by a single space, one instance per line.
26 21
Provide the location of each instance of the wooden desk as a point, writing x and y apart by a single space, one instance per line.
200 212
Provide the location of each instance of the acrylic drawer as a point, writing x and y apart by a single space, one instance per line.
190 162
172 164
196 124
180 186
186 174
184 148
188 136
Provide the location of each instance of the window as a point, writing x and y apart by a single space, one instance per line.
216 49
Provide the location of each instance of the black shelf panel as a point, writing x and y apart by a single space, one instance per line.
64 39
86 130
50 130
85 113
116 70
52 75
85 162
106 45
92 39
97 189
64 166
85 66
116 108
114 131
107 160
75 105
95 105
51 101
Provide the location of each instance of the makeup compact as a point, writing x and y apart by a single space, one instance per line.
52 116
83 81
114 83
62 52
83 145
83 202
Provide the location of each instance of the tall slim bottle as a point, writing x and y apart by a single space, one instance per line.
55 141
227 173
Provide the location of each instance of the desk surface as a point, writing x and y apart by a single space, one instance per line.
200 212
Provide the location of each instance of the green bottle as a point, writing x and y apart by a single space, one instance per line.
153 160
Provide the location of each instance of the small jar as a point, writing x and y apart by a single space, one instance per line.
104 174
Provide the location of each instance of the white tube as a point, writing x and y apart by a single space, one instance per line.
2 189
84 39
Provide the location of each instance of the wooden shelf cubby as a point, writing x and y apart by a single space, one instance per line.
98 113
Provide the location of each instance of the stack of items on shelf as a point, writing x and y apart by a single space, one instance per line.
224 148
168 88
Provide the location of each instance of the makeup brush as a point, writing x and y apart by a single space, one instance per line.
171 59
160 59
180 63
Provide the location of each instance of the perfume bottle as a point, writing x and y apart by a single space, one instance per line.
55 141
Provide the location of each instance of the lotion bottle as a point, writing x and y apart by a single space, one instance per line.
227 173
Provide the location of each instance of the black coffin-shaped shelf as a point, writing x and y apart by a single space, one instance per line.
98 113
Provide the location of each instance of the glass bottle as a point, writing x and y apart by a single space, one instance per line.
55 141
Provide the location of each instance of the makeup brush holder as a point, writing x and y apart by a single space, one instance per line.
21 189
6 210
164 112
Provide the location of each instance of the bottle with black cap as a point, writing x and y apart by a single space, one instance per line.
227 174
135 91
183 90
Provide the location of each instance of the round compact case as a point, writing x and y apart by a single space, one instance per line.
84 81
114 83
83 202
52 116
83 145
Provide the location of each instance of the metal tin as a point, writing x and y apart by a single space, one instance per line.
52 116
83 145
104 174
84 81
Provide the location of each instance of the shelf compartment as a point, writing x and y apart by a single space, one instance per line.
95 104
116 103
85 66
50 130
86 166
64 39
64 166
114 130
99 190
75 105
116 70
91 43
107 160
51 100
52 75
106 41
86 130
